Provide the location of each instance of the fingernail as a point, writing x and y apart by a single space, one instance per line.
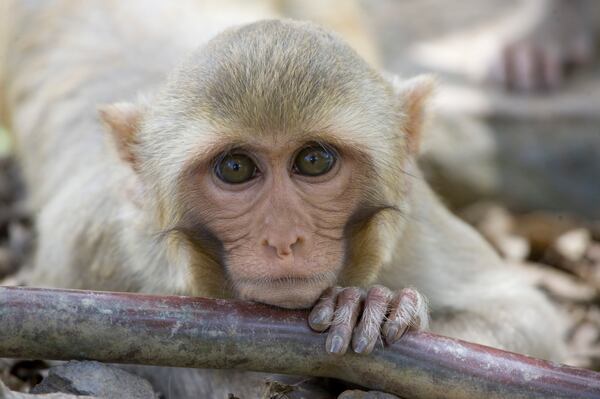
316 318
335 344
392 332
361 345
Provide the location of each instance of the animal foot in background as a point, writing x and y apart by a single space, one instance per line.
559 36
527 67
358 318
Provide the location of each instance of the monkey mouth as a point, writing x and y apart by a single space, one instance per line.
286 280
288 292
313 279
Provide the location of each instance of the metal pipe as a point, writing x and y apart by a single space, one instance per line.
208 333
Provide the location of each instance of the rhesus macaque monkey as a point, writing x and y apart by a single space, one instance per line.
273 164
553 36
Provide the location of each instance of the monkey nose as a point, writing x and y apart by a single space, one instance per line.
282 245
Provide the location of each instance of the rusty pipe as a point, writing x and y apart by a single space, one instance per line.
207 333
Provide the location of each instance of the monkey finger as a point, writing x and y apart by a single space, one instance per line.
408 309
375 309
346 314
551 65
321 315
523 68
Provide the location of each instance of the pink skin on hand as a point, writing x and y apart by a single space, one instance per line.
356 318
540 58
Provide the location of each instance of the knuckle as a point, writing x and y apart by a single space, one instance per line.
343 315
379 287
330 293
374 312
352 294
410 293
381 293
372 330
411 309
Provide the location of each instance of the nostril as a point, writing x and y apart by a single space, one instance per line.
297 242
282 246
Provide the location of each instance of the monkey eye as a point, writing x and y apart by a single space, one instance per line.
314 160
235 168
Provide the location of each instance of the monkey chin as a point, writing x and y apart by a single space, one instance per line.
290 295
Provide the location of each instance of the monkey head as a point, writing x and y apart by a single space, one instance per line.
277 160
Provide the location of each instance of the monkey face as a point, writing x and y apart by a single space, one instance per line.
273 149
279 213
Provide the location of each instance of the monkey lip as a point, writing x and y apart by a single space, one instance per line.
315 279
287 280
287 292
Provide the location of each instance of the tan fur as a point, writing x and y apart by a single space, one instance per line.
126 219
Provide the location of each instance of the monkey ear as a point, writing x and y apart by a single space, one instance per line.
122 121
413 95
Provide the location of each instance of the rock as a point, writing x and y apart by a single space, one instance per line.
6 393
489 218
30 372
20 239
7 265
513 248
498 227
584 342
543 228
358 394
573 245
560 285
584 337
309 388
593 254
95 379
575 252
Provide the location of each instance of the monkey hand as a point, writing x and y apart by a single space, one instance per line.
540 57
351 315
